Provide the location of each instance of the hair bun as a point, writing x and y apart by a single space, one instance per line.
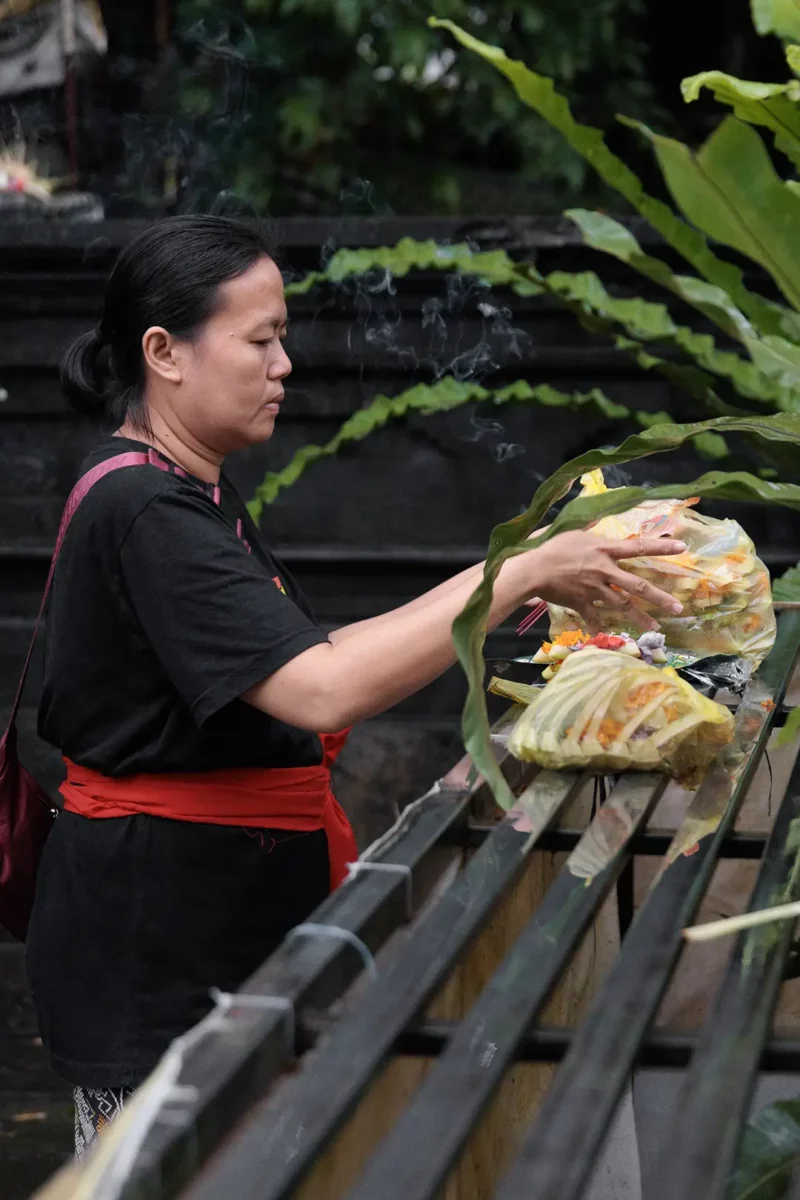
82 382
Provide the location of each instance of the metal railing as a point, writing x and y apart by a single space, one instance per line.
268 1091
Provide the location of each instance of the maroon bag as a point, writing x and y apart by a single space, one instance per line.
26 811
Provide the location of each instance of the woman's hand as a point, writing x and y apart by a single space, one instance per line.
581 571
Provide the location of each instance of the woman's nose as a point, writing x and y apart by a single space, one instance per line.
281 366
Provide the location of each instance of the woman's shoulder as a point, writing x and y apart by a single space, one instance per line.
130 488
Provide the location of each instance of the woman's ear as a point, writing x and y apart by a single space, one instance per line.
158 348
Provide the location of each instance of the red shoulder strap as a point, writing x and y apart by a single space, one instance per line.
133 458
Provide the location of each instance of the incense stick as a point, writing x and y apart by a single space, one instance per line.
532 617
717 929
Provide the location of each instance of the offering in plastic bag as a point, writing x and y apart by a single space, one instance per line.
606 712
723 587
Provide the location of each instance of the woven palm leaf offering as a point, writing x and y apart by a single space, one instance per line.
723 587
606 712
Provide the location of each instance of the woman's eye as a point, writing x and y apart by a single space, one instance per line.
262 342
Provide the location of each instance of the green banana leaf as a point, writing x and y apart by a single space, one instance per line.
773 105
510 538
731 191
769 1153
443 396
539 93
777 16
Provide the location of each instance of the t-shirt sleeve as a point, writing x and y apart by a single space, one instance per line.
216 621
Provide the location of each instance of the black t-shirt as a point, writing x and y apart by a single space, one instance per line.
166 606
161 615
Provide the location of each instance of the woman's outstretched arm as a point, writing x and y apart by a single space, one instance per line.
329 687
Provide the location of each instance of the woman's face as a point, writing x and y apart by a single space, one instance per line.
230 377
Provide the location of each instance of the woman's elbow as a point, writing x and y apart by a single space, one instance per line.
318 708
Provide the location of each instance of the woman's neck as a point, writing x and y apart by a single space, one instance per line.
178 446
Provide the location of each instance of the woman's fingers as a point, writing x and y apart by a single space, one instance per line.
624 604
643 547
640 589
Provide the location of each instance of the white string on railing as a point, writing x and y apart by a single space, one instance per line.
311 929
114 1157
354 869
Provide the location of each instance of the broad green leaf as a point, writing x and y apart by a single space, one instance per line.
604 233
777 358
787 586
777 16
773 105
696 382
792 53
651 321
494 267
442 396
731 191
510 538
540 94
769 1154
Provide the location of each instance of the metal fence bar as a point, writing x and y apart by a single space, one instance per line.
718 1088
281 1144
417 1155
653 844
231 1068
548 1043
579 1109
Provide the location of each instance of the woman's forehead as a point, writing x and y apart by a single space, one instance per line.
256 293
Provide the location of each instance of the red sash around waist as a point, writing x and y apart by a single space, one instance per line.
268 797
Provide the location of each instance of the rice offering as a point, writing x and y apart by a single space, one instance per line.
606 712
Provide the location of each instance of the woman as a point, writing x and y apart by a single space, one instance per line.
187 684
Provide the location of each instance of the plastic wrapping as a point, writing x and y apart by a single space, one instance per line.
605 712
723 586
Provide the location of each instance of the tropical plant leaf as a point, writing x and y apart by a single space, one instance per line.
443 396
773 105
769 1153
652 321
777 16
510 538
540 94
787 586
603 233
494 267
731 191
690 379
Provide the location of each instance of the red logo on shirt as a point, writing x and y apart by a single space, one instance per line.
276 579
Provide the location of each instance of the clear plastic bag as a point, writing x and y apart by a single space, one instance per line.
723 586
605 712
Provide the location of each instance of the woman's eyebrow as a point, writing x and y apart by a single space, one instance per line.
272 321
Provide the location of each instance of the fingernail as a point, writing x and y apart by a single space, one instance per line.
677 608
679 547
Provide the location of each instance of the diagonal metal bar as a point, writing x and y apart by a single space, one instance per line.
417 1155
717 1091
587 1089
278 1147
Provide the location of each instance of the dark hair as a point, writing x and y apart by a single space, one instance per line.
169 275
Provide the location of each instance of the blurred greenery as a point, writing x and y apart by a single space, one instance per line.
334 106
